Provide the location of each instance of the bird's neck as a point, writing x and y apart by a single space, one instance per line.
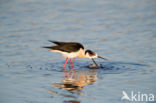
81 53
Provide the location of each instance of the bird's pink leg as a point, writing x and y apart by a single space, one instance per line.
65 63
69 63
73 63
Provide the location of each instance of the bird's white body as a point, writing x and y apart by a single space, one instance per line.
79 53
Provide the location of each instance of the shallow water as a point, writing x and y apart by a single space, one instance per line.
122 31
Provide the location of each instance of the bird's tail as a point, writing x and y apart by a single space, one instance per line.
48 47
56 42
52 47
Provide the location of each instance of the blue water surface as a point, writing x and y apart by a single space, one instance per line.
123 31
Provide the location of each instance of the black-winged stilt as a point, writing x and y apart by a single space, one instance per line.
70 50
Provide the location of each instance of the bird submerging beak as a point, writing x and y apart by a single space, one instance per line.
95 65
90 54
70 50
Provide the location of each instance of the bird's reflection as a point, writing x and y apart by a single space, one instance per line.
75 80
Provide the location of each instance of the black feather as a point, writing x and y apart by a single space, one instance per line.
65 46
56 42
48 47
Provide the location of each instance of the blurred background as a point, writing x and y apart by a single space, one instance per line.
124 31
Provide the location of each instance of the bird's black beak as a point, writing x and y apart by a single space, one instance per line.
94 62
102 58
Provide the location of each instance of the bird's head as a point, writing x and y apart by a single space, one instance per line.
90 54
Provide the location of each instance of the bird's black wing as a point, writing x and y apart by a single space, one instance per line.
70 47
57 42
65 46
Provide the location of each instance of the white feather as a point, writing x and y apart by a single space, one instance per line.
68 55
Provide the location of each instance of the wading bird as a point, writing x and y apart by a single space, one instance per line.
70 50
